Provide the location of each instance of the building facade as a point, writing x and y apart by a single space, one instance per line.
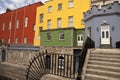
17 26
102 25
57 14
102 2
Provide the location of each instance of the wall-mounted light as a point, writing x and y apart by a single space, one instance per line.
113 28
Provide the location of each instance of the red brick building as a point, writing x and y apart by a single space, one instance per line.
17 26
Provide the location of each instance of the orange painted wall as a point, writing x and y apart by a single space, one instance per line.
20 14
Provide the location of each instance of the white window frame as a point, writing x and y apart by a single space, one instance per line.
26 21
59 22
49 23
60 6
17 24
10 24
24 40
70 21
71 4
9 40
3 28
61 36
16 40
49 8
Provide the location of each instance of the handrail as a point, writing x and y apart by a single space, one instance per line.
89 43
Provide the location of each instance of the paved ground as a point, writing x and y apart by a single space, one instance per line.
9 71
53 77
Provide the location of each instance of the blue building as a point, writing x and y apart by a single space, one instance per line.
103 25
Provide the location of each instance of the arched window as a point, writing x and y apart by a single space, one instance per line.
61 62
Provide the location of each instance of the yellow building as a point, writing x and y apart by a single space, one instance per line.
60 14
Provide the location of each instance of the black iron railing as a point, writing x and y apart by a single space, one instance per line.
88 44
52 63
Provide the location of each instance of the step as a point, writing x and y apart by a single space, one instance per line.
106 68
105 59
105 56
99 77
103 73
115 64
100 53
106 51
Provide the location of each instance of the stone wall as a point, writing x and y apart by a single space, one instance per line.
21 57
59 50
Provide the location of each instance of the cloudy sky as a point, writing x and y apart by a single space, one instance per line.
13 4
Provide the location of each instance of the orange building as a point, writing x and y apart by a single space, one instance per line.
17 26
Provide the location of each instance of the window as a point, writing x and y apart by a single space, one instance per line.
16 40
59 22
2 41
60 6
10 24
26 22
49 8
103 34
49 23
8 40
61 62
40 29
48 36
41 17
70 23
89 31
17 24
24 40
70 4
61 36
107 34
80 37
3 28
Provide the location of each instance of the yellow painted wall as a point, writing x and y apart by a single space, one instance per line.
76 11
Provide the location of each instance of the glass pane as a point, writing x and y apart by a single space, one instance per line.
103 34
107 35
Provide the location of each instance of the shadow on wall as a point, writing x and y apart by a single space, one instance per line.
118 44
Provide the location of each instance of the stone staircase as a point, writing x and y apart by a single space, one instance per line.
102 64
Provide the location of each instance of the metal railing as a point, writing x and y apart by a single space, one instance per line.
51 63
89 43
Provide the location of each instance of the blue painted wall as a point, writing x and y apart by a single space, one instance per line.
109 14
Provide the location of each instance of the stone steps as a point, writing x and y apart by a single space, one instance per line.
99 77
107 68
103 65
105 56
103 73
104 59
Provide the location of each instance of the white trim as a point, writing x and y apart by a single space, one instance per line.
26 21
61 35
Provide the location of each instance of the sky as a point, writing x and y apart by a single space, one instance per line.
14 4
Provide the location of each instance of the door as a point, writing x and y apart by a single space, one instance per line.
3 55
105 34
76 59
80 40
47 63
